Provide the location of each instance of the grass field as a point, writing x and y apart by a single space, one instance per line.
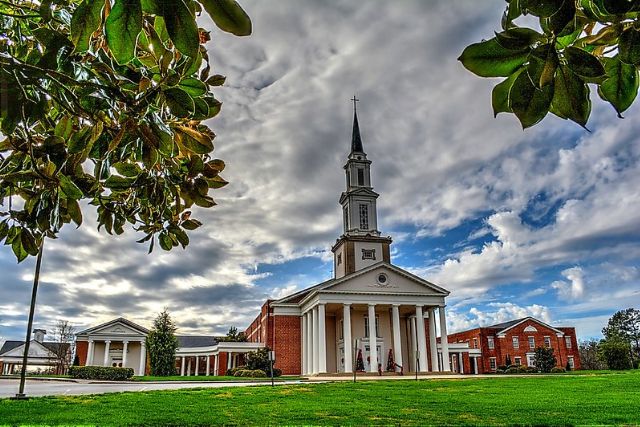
210 378
562 399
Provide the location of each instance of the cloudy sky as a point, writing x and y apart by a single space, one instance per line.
544 222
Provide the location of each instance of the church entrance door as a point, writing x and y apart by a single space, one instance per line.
367 357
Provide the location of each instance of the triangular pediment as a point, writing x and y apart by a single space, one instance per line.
116 327
35 350
360 191
385 278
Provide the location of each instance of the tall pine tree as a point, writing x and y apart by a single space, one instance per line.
161 345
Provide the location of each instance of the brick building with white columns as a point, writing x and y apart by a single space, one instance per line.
327 328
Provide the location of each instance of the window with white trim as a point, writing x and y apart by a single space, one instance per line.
517 361
491 343
492 364
547 342
364 217
366 326
571 363
567 342
516 342
532 342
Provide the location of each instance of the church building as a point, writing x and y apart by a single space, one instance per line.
372 315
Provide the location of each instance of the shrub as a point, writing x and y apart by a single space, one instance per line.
100 373
251 373
544 359
502 368
232 372
615 352
557 370
516 370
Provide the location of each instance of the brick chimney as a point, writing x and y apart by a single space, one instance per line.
38 335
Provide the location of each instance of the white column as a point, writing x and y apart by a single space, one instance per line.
475 365
228 360
197 365
322 338
373 341
125 348
90 352
444 341
182 366
397 345
422 340
310 344
346 333
189 367
305 350
412 343
461 363
316 346
208 365
216 365
105 360
143 358
432 340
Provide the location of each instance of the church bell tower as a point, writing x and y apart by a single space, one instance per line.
360 244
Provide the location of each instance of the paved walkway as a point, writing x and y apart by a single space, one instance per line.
9 387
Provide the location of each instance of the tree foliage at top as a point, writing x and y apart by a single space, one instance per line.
549 68
104 100
233 336
162 344
544 360
615 351
626 325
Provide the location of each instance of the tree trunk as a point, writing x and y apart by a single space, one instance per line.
27 341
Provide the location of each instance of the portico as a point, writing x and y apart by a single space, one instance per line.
213 360
119 342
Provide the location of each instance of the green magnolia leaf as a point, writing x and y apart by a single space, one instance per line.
118 183
584 64
122 27
500 94
216 80
165 241
127 169
179 102
181 27
85 21
629 47
514 11
490 59
543 8
195 141
18 249
517 38
193 87
621 88
527 102
73 208
153 7
191 224
69 187
563 16
228 16
571 97
29 243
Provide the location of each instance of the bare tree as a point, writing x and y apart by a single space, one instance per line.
63 346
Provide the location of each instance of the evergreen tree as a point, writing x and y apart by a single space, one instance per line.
615 351
544 360
161 345
625 324
359 361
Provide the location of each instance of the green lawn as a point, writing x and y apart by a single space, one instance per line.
559 400
210 378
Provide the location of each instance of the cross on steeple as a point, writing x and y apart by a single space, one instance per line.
354 99
356 140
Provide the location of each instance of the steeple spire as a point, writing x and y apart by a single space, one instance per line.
356 141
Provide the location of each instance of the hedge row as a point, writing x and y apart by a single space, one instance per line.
100 373
252 373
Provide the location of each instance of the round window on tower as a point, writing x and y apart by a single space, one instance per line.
382 279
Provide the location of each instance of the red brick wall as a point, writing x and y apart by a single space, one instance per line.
222 364
82 348
504 346
288 344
